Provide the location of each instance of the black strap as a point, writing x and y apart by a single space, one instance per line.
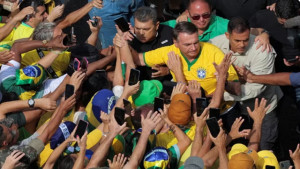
49 70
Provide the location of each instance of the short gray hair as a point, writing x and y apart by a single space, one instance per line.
144 14
44 31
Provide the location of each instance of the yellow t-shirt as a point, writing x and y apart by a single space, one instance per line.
59 65
23 31
6 45
200 69
9 37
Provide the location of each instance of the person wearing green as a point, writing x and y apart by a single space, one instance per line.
209 25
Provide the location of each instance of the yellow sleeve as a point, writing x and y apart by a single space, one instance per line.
157 56
93 138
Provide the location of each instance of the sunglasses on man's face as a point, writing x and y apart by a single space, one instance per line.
204 16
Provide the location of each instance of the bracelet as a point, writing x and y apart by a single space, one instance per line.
265 31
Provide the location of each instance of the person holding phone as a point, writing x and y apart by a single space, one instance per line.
187 62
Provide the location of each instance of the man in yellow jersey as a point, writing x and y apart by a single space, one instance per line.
188 59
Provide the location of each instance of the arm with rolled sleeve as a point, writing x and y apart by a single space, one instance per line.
261 64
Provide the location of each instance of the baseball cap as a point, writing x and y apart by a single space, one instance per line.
149 89
194 162
104 100
180 109
240 155
157 158
62 133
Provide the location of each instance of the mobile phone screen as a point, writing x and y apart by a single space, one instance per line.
214 112
158 103
213 126
81 128
134 77
69 91
122 24
270 167
119 115
127 106
201 104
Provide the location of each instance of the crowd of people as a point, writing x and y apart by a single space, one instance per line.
185 84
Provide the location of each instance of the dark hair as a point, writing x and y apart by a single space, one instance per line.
143 110
144 14
192 1
65 162
184 27
286 9
2 136
26 3
93 84
238 25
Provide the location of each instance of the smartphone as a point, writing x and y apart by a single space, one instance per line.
30 15
168 87
270 167
127 106
81 128
67 40
201 104
101 73
158 103
84 64
285 164
120 115
122 24
94 21
134 77
69 91
214 112
73 39
25 159
213 126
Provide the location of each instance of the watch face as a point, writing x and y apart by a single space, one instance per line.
31 102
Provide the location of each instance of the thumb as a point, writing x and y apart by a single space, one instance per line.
109 162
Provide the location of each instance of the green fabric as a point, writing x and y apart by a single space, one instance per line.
24 134
190 64
218 26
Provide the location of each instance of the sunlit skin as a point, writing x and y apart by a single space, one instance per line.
10 139
200 8
145 31
188 44
238 41
39 16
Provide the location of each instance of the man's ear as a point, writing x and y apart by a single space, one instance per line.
227 35
157 25
175 42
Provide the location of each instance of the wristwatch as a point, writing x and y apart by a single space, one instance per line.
31 103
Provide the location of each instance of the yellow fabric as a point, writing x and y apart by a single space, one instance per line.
23 31
168 139
9 37
200 69
91 117
59 65
92 139
6 45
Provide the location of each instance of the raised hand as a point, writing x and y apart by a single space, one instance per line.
174 62
259 111
97 3
96 28
150 122
161 71
118 161
194 89
12 160
235 133
76 79
200 120
223 67
178 89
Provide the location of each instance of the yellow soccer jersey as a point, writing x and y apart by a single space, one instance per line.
23 31
9 37
200 69
59 65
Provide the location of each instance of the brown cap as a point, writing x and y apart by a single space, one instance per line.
180 109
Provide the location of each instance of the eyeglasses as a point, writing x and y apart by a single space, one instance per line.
204 16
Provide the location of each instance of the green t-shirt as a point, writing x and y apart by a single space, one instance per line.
217 26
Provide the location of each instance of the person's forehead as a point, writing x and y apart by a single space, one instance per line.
40 9
242 36
138 23
183 36
199 6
